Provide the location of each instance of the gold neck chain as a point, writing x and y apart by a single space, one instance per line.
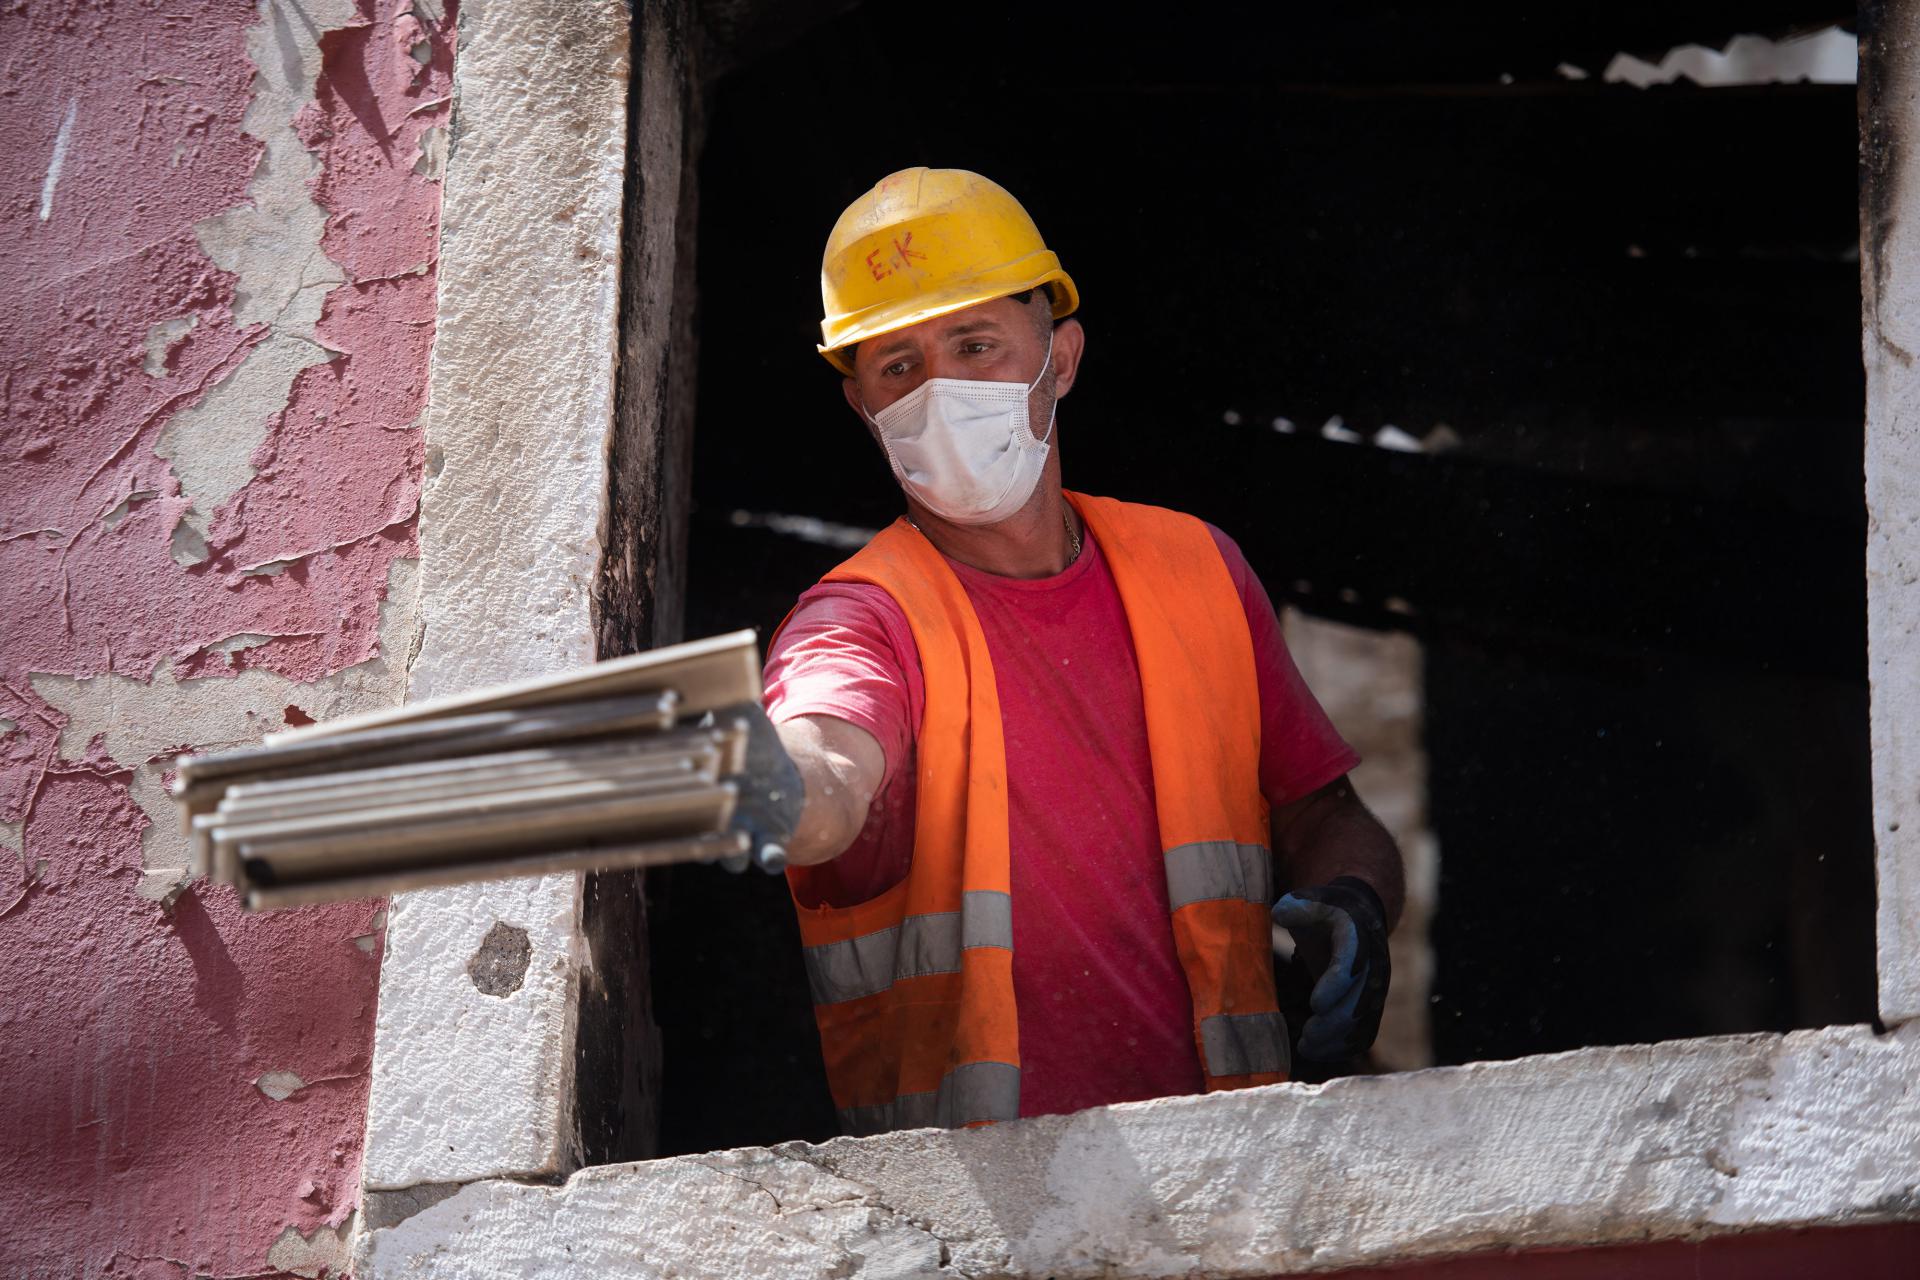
1073 535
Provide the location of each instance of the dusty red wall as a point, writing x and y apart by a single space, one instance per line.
134 1139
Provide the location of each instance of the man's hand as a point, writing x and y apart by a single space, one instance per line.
1344 922
1328 841
771 793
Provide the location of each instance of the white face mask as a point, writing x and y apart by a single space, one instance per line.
963 449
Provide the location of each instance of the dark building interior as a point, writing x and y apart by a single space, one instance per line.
1619 331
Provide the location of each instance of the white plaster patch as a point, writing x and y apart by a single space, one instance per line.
280 1085
210 444
327 1251
162 338
1594 1147
236 643
376 929
112 519
61 142
268 568
187 545
162 884
432 163
272 243
144 723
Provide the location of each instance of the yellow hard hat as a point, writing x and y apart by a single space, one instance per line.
925 242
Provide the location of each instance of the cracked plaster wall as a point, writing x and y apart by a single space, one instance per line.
220 229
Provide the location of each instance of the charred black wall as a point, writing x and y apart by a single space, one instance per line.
1634 554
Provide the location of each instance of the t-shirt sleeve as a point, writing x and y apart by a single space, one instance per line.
847 651
841 654
1300 750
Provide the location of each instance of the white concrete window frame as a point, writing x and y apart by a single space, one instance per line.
470 1167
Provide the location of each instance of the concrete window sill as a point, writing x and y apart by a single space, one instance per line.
1683 1139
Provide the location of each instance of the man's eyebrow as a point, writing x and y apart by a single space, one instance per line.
884 350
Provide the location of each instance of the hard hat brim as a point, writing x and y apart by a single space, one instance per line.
851 330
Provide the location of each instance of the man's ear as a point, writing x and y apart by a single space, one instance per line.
1069 344
851 390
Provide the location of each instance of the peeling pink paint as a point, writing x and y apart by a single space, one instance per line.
133 1128
134 1141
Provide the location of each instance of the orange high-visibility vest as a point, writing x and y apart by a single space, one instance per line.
913 990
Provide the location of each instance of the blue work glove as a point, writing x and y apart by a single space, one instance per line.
1345 923
771 793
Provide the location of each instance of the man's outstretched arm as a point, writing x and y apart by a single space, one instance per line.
842 766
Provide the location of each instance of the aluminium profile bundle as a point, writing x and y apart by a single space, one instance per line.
654 758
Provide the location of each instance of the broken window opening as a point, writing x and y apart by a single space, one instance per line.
1565 508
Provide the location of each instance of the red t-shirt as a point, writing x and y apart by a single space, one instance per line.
1104 1011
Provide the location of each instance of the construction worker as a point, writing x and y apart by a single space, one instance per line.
1047 739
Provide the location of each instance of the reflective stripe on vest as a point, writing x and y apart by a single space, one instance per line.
869 963
1209 870
1241 1044
976 1093
913 991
